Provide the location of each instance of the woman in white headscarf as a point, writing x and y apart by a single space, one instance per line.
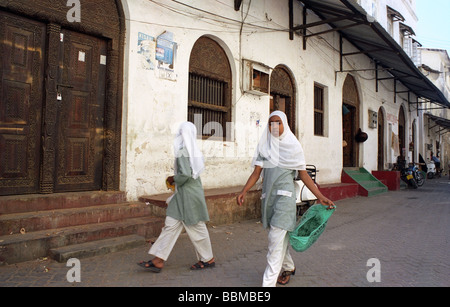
187 207
279 156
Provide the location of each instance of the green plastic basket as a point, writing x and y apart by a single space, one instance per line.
311 226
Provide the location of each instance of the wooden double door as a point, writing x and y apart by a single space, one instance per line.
52 108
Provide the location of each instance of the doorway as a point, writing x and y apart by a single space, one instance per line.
412 145
350 122
381 142
80 113
50 142
402 132
349 132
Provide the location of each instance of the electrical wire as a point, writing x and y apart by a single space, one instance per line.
239 27
217 18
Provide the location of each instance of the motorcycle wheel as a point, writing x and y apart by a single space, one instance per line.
430 175
420 179
413 183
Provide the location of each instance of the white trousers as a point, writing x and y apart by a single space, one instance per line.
198 234
278 256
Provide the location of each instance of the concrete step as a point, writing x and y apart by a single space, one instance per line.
96 248
376 191
32 245
339 191
369 185
391 179
51 219
40 202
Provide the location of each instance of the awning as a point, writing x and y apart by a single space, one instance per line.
440 121
395 14
407 30
367 35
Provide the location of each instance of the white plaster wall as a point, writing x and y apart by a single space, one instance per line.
378 10
154 107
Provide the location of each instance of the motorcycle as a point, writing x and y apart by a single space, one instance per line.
418 176
406 173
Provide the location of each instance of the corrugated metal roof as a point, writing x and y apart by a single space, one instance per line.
352 21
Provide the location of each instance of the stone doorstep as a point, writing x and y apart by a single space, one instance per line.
51 219
96 248
92 219
44 202
30 246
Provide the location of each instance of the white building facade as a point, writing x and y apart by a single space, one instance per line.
435 137
157 99
105 84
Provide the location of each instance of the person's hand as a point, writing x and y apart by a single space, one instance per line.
240 199
326 202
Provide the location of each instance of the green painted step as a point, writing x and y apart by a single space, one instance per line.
371 185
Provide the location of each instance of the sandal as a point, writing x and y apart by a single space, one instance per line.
285 277
203 265
149 266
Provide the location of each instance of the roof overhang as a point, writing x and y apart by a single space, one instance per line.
396 16
440 121
407 30
371 39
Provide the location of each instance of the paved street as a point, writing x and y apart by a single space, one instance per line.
407 231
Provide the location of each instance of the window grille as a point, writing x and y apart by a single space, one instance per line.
207 101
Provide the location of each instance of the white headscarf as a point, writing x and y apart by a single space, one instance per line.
187 137
284 151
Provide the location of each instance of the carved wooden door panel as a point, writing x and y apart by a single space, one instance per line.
22 43
80 114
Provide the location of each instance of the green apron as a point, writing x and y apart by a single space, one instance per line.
278 202
188 203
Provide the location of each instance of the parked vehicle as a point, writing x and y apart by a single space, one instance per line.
431 169
406 173
418 176
304 197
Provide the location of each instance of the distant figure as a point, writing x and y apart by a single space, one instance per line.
437 162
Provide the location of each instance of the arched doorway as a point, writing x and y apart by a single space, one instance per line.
282 94
61 115
350 122
402 132
381 142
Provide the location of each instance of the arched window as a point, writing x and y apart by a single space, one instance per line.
282 94
209 98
